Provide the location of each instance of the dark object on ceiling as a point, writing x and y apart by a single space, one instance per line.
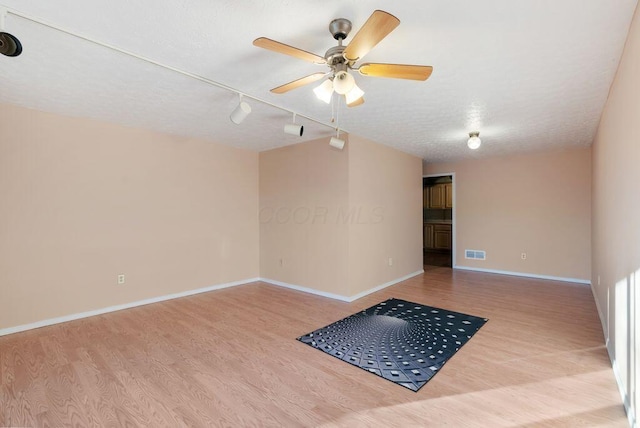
10 45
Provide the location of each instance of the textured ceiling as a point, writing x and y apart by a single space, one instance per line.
529 75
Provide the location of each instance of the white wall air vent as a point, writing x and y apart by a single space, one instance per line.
475 254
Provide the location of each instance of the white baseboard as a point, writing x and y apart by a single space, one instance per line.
614 363
525 275
72 317
58 320
306 290
603 319
625 398
339 296
385 285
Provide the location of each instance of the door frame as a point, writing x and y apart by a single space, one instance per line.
453 212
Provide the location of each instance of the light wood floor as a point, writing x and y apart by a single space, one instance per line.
230 358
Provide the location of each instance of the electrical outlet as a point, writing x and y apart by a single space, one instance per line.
390 261
121 279
598 279
523 256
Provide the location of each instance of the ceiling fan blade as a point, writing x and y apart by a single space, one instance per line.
397 71
357 102
272 45
297 83
377 27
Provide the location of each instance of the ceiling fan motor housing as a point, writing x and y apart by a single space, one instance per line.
340 28
334 56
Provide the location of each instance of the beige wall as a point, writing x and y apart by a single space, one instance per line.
83 201
616 215
536 203
334 218
303 197
385 196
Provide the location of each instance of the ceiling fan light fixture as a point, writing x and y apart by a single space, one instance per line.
342 58
343 82
324 91
354 94
474 140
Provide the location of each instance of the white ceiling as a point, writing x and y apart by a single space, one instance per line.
529 74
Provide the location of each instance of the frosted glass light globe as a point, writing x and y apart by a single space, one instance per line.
474 142
354 94
324 91
343 82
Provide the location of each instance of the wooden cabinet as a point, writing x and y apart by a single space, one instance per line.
439 196
425 197
448 195
436 196
437 236
442 236
428 236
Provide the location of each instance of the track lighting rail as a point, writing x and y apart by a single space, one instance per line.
159 64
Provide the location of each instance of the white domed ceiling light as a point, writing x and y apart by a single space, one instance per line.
474 140
341 59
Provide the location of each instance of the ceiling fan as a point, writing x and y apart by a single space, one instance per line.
341 59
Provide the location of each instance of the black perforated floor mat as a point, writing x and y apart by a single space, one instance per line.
404 342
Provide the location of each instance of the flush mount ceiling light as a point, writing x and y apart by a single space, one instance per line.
293 129
474 140
9 44
340 59
240 113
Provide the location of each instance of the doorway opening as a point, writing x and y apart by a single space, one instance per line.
438 220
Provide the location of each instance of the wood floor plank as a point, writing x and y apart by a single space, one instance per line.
230 358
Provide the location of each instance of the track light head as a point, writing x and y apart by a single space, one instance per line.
240 113
293 129
337 143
